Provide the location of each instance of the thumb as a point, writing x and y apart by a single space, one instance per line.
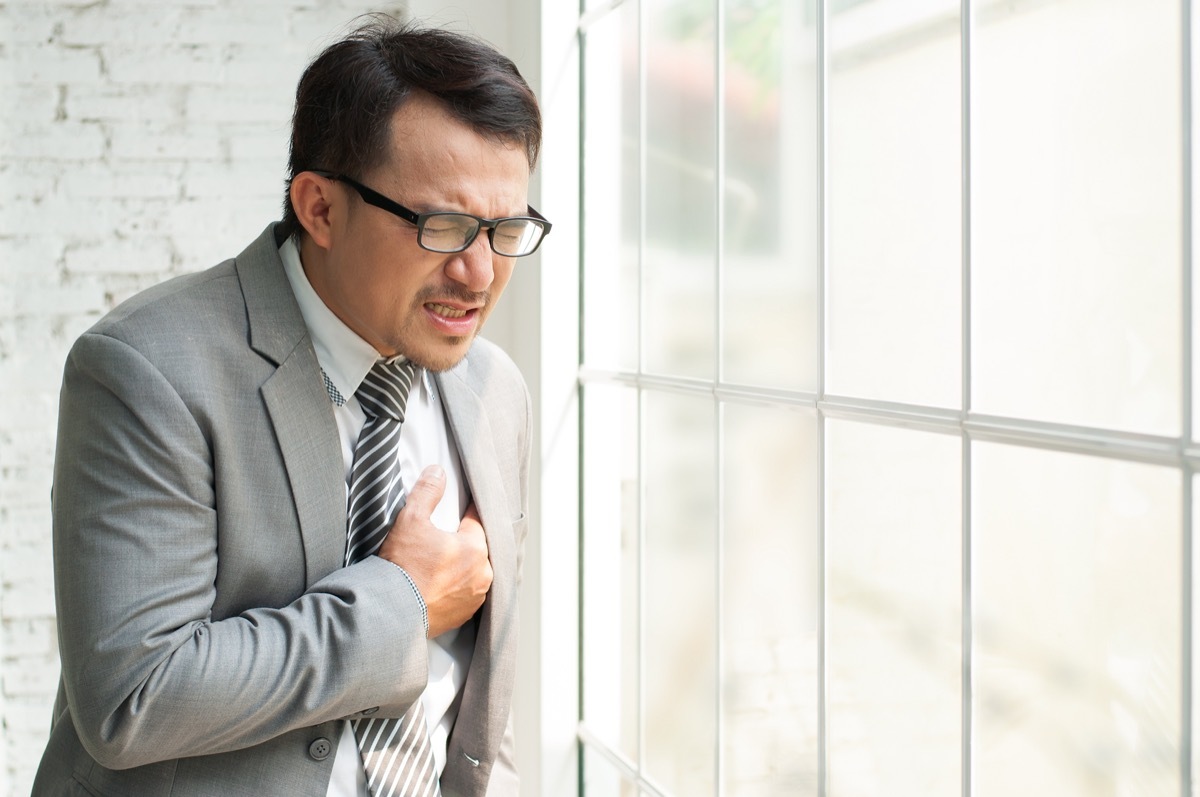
426 493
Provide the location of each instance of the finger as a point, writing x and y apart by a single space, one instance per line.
427 491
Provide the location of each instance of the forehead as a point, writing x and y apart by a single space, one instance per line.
439 160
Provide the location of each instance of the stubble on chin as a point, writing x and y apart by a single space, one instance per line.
430 362
440 355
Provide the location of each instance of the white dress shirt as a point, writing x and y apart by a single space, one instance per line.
424 440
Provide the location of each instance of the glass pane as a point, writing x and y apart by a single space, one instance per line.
1076 247
679 261
610 581
770 602
602 779
772 251
1077 625
679 581
895 204
894 554
611 217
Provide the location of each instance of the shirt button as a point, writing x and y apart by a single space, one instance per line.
320 749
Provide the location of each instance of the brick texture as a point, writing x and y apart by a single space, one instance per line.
138 139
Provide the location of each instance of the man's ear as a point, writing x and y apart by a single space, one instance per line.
312 197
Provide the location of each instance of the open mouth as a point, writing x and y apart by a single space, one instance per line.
446 311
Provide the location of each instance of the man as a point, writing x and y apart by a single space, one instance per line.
242 609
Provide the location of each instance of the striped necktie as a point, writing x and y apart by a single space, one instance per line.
396 753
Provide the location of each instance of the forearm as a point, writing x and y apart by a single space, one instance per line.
353 642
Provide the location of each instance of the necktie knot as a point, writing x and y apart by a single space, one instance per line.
384 390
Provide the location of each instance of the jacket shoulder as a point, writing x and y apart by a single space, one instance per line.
171 307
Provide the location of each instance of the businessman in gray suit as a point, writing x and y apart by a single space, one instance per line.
228 624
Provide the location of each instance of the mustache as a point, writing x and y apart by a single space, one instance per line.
455 293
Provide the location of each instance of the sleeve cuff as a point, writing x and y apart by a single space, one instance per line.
417 593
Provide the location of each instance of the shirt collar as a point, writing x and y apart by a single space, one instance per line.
343 355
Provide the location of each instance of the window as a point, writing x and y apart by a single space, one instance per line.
886 409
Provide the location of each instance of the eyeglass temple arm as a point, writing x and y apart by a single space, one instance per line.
533 212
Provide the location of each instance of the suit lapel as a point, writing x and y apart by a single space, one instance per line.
489 679
298 406
468 419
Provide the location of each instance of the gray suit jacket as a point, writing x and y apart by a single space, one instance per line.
210 637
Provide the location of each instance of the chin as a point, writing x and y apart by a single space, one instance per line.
443 357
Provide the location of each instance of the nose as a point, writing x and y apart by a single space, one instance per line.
473 267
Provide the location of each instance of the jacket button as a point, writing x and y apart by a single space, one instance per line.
369 711
320 749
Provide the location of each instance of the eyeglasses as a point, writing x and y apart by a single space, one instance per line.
447 232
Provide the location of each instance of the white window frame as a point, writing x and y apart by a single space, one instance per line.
1181 453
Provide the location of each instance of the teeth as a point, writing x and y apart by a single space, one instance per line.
448 312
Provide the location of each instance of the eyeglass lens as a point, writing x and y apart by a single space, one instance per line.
453 232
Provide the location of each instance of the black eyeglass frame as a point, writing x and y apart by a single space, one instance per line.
373 197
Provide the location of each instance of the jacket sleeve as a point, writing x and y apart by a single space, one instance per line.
149 674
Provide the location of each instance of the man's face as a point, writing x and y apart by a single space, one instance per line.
397 296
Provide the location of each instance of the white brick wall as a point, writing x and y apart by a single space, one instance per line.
138 139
